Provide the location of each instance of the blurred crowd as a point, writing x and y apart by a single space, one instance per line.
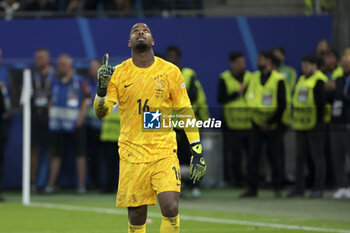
63 122
258 108
73 6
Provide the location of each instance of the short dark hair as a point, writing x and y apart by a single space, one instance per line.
264 53
42 49
269 55
235 55
282 50
325 40
175 49
333 52
311 58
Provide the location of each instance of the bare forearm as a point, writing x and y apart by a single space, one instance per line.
83 109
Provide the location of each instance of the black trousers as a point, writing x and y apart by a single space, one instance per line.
237 143
340 144
311 142
272 140
111 153
330 172
93 154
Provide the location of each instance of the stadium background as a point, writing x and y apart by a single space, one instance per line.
212 39
206 34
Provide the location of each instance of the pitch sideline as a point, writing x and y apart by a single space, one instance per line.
189 218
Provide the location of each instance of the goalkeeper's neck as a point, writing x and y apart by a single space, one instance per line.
142 58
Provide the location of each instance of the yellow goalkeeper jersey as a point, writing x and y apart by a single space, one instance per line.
139 90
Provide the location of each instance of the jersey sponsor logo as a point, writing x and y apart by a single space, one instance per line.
151 120
125 86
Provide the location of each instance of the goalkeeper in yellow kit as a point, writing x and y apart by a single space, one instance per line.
149 168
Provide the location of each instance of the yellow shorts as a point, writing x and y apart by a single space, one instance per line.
140 183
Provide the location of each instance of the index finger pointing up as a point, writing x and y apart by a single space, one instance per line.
105 59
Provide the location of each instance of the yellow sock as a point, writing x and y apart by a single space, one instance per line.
170 225
137 228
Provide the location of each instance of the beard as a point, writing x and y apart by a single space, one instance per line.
240 74
141 46
41 66
308 74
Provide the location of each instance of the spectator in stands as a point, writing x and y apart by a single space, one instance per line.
42 77
74 5
232 86
119 5
151 4
40 5
9 7
93 128
308 114
198 100
340 128
69 103
338 72
288 72
347 51
290 76
93 5
108 5
267 96
330 66
181 4
109 137
325 6
322 47
327 63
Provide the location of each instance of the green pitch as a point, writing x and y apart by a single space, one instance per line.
217 211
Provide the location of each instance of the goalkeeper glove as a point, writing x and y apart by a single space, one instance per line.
104 75
197 165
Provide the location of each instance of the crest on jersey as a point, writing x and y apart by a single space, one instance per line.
160 83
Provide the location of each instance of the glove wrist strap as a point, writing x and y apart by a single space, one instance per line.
195 143
196 148
101 91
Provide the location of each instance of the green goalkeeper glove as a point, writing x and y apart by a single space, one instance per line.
197 165
104 75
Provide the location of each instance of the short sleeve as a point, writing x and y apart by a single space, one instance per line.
112 90
178 92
